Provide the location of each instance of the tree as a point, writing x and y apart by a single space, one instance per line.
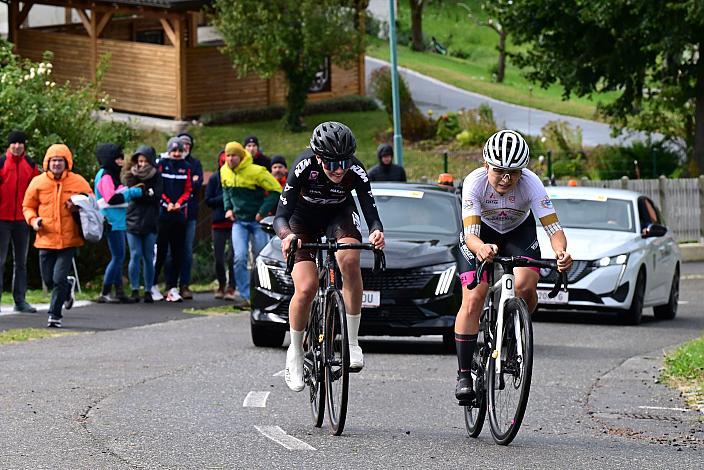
294 36
417 43
496 10
648 52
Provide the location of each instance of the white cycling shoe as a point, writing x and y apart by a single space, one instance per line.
294 370
356 358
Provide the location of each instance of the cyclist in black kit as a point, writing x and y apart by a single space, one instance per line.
316 200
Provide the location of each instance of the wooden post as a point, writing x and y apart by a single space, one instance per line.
701 208
14 23
662 195
179 24
93 45
361 75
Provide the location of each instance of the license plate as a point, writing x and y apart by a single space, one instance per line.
371 298
562 297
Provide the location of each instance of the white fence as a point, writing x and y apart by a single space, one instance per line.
680 201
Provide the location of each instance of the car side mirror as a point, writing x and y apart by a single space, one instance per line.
654 230
267 224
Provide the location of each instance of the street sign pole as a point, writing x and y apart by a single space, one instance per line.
398 139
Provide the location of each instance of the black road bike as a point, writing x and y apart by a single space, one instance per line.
502 364
326 364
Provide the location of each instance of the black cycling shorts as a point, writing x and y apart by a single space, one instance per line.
341 222
521 241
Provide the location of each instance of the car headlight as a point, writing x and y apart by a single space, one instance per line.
609 261
447 274
263 272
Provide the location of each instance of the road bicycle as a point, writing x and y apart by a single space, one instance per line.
502 364
326 350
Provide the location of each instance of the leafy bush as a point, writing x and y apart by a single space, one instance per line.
477 125
269 113
447 126
414 125
51 112
611 162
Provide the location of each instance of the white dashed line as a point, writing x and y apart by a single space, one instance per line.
279 373
663 408
682 302
255 400
279 436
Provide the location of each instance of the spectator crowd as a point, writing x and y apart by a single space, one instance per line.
150 206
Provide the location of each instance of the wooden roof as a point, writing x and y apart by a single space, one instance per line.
172 5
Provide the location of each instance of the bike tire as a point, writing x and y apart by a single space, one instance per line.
313 363
474 416
337 362
508 391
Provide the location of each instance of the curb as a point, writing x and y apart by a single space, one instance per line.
629 401
692 252
7 309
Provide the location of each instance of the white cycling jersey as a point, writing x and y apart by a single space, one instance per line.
505 212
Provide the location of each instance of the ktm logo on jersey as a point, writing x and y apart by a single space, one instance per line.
360 172
302 165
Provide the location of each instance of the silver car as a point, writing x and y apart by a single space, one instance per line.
625 258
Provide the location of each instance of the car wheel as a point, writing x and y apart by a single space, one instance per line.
669 310
634 314
265 337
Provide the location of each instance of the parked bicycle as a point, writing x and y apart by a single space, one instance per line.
325 343
502 364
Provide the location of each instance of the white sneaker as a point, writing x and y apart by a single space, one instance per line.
156 295
356 358
294 370
173 295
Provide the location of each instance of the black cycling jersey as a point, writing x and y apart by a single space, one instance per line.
308 191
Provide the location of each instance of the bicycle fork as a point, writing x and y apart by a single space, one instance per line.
506 284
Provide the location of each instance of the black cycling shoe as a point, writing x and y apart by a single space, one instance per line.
464 391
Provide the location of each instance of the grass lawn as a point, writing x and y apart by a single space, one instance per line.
27 334
684 370
449 24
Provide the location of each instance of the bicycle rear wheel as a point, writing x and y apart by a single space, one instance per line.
508 390
313 364
474 415
337 362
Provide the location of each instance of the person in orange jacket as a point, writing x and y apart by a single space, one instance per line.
48 209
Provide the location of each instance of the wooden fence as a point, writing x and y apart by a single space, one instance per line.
680 201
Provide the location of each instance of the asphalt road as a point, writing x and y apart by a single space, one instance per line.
173 395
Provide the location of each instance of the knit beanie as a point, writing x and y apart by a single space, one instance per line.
174 143
16 137
252 139
186 138
278 159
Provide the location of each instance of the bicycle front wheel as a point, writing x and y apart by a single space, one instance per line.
474 415
337 362
508 388
313 364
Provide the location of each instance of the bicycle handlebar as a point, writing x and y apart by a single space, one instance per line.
520 261
333 246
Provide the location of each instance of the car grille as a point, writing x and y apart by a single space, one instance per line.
387 281
580 269
407 314
396 279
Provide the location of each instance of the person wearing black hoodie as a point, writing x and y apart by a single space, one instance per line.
193 205
386 170
251 144
142 219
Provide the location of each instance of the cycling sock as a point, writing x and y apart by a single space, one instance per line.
297 340
353 328
465 349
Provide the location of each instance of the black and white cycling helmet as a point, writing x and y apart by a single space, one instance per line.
507 150
333 141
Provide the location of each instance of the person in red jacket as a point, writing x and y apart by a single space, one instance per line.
16 171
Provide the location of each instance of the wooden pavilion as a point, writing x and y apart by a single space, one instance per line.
157 65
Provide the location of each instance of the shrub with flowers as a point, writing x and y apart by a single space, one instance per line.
50 112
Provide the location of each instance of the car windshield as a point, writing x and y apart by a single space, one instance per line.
411 211
597 214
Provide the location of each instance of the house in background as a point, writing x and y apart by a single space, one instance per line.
163 59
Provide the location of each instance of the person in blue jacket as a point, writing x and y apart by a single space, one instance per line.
113 198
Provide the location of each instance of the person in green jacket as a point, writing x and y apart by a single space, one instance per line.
249 193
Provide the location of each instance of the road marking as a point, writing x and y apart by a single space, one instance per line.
279 436
682 302
280 373
663 408
255 400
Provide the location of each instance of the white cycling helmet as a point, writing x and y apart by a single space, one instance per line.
507 150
